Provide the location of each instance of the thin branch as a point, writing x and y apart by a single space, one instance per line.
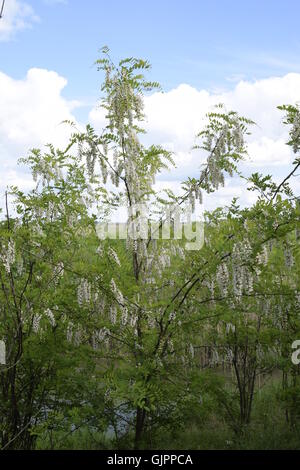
2 8
285 180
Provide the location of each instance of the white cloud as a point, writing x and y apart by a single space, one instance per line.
31 111
17 15
269 152
174 118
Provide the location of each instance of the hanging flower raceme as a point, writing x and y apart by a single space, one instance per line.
222 277
113 255
113 314
51 317
242 276
83 292
36 323
8 255
117 293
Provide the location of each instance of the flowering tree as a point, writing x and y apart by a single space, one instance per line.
117 334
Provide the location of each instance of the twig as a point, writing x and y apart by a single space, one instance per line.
1 12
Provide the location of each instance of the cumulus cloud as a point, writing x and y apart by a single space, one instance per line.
174 118
17 15
31 111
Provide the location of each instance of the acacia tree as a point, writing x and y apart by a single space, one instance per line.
41 323
254 291
149 309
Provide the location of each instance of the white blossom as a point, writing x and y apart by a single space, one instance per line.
59 269
133 320
113 314
50 316
70 332
83 292
118 294
36 323
223 278
8 256
112 254
230 327
151 321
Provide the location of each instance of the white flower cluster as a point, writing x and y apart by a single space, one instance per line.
70 328
71 220
297 299
46 172
113 314
215 359
100 250
230 327
88 151
195 194
36 323
219 145
263 256
171 346
8 256
295 132
133 320
217 149
124 316
52 211
104 171
100 336
222 277
58 270
101 304
151 321
123 101
238 136
51 317
229 355
120 299
163 261
116 291
113 255
242 276
83 292
74 335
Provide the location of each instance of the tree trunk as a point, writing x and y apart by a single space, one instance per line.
139 427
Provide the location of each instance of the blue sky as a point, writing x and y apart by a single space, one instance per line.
207 44
243 53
